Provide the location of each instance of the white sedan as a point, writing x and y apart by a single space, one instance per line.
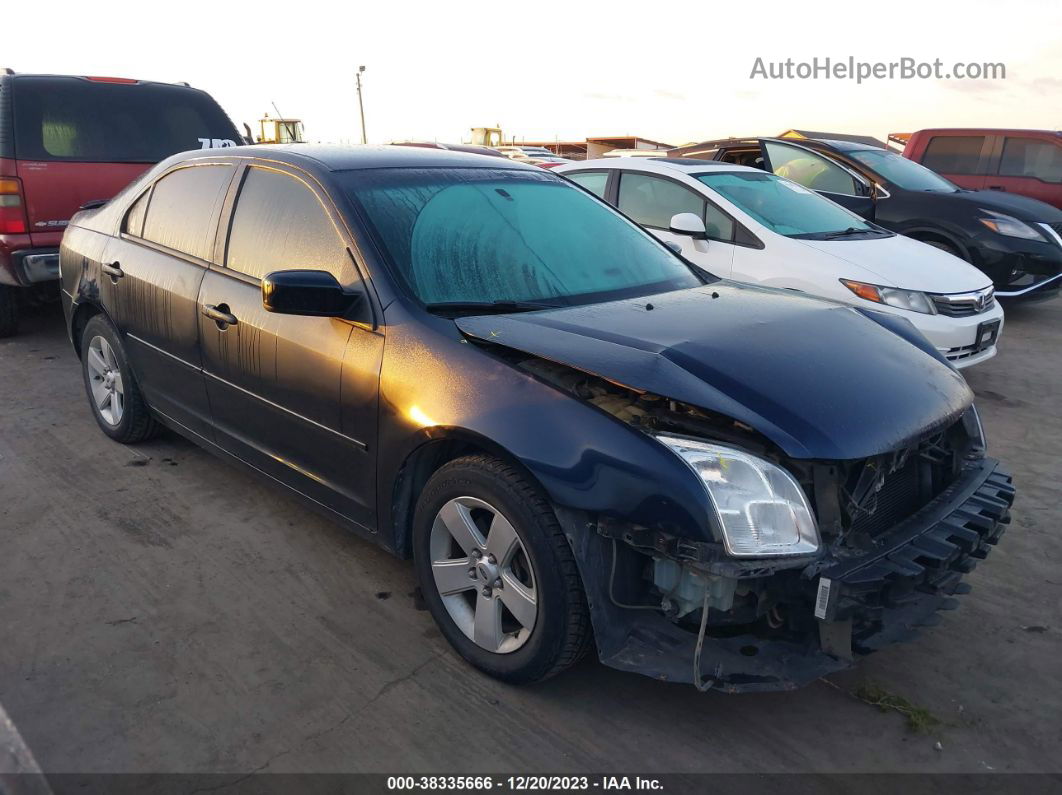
748 225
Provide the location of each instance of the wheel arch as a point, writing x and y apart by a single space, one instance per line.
83 312
925 233
436 448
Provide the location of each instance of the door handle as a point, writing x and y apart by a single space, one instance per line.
113 269
220 314
996 187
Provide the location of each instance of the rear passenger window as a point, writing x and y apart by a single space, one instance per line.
1031 157
182 207
593 181
652 201
954 154
134 218
280 224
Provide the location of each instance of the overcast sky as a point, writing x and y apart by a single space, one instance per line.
553 70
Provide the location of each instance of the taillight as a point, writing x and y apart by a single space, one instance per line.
124 80
12 211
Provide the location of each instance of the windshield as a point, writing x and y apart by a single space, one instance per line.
481 235
901 172
786 207
68 118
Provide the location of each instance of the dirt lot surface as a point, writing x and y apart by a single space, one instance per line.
165 611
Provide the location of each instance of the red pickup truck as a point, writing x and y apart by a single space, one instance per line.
66 141
1026 162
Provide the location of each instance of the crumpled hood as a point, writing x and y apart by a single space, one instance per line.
903 262
821 380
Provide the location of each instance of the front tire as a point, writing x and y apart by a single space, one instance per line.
113 393
497 572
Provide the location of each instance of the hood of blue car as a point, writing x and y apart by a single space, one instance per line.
821 380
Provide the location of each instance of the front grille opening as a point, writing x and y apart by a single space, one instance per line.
883 491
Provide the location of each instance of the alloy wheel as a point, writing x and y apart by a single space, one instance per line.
105 381
483 574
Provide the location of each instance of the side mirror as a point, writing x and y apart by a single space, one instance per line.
688 224
314 293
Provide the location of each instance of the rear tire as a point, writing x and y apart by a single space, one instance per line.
8 310
113 394
535 622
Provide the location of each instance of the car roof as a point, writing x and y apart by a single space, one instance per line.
685 165
352 158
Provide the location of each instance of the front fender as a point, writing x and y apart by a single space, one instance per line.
436 386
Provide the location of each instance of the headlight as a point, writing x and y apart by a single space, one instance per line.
762 509
901 299
1011 227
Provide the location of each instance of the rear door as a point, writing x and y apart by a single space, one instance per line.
1029 166
293 396
819 173
151 276
652 200
78 139
962 159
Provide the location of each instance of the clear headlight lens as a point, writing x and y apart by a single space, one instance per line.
762 509
1009 226
913 300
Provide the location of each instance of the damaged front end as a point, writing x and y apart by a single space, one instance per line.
895 533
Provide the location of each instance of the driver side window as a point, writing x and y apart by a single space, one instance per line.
280 224
810 170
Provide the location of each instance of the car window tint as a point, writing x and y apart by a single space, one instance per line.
182 208
279 225
652 201
954 154
809 169
593 181
71 118
718 224
1031 157
134 218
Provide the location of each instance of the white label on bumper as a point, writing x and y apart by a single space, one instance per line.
823 598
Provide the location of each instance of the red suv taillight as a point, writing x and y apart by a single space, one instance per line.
12 210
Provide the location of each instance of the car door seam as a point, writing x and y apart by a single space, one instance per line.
295 414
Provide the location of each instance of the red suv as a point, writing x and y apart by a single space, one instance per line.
67 141
1026 162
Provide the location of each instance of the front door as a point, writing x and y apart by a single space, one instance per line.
293 396
151 278
653 200
820 174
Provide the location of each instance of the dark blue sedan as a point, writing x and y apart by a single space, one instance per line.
578 437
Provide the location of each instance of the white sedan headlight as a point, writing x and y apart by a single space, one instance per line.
892 296
761 507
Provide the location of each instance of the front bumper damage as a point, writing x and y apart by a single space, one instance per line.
871 598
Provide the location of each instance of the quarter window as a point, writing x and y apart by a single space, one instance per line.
134 218
810 170
279 225
1031 157
183 204
593 181
954 154
652 201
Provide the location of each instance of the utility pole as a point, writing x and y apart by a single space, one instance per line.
361 106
